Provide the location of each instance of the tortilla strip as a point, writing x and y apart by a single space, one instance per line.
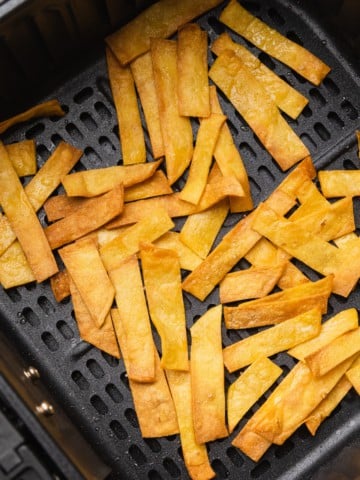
132 309
193 84
160 20
60 285
339 324
208 395
251 100
353 375
252 444
284 95
154 186
90 183
103 338
23 157
195 455
187 258
162 280
249 387
273 43
154 406
142 71
86 219
200 164
24 222
279 338
339 183
83 263
179 147
14 268
51 108
131 133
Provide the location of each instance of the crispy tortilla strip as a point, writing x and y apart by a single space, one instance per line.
195 455
249 387
179 147
171 241
132 309
252 444
83 263
286 97
162 280
86 219
23 157
273 340
142 71
90 183
229 160
103 338
60 285
310 199
336 326
14 268
131 133
254 282
146 230
51 108
251 100
273 43
200 229
24 222
160 20
340 183
335 352
200 164
280 306
59 206
208 395
353 375
154 186
193 83
154 406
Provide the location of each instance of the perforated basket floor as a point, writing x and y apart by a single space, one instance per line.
92 386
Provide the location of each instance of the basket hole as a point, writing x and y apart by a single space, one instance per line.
349 110
50 341
276 17
291 35
252 6
35 131
106 144
137 455
31 317
153 444
56 139
118 430
99 405
45 305
83 95
235 456
266 175
331 86
260 469
321 131
114 393
317 97
88 121
13 294
246 150
220 468
103 86
171 467
266 60
80 380
42 151
282 450
335 120
254 186
307 112
64 329
154 475
111 361
349 165
309 142
74 132
95 368
131 417
298 77
92 156
216 25
102 110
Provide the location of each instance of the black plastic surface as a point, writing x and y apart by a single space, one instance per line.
92 386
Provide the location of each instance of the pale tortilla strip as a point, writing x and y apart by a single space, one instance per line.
171 240
153 403
279 338
86 219
132 309
142 71
273 43
339 183
103 338
206 139
253 103
23 157
162 280
179 147
208 395
14 268
192 64
60 285
284 95
24 222
339 324
249 387
90 183
131 133
83 263
353 375
160 20
51 108
195 455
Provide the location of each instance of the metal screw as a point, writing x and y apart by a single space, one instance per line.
32 373
45 408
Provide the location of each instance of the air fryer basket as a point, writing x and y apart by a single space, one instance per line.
92 386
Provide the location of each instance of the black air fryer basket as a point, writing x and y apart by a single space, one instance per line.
55 49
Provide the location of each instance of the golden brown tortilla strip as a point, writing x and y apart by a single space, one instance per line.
154 406
14 268
60 285
24 222
23 157
208 395
284 95
179 147
51 108
339 183
252 444
160 20
154 186
142 71
251 100
353 375
273 43
171 241
131 133
193 82
86 219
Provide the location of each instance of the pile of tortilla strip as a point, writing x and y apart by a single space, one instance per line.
122 262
